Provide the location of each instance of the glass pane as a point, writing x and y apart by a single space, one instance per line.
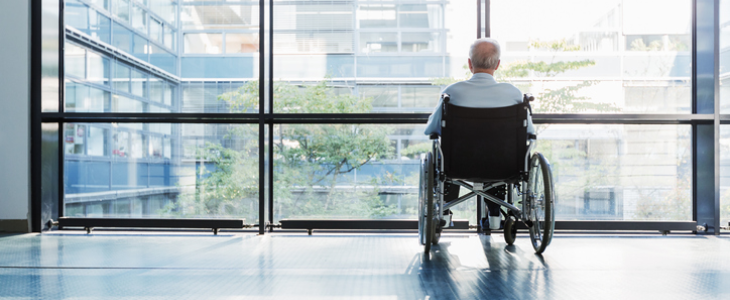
371 42
201 17
165 9
614 57
100 27
376 16
163 59
50 79
76 15
383 96
620 172
127 105
156 89
139 83
121 77
155 30
98 68
419 98
123 38
360 171
725 57
314 44
140 49
85 140
221 97
139 18
190 171
100 3
83 98
121 9
205 43
241 43
169 38
75 61
420 16
420 42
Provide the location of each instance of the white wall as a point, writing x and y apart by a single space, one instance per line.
14 109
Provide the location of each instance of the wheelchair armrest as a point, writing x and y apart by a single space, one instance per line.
531 136
434 136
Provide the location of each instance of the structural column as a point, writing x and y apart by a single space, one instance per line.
705 100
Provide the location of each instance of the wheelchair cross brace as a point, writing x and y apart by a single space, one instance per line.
473 193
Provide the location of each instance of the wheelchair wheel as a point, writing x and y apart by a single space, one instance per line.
539 212
510 230
425 203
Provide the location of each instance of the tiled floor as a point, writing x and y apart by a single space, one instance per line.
109 265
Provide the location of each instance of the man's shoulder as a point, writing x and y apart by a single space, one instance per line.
455 86
508 87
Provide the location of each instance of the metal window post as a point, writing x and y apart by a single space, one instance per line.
705 100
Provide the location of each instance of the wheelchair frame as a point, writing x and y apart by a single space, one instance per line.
540 231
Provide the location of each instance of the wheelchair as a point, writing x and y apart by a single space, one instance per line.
480 149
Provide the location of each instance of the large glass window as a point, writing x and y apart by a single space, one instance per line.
347 57
202 171
613 57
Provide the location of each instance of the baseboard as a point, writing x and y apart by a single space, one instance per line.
15 226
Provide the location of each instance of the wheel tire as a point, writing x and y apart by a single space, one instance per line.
539 203
510 230
422 190
425 219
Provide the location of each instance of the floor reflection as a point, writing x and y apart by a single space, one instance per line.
242 266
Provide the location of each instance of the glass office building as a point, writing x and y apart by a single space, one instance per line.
368 57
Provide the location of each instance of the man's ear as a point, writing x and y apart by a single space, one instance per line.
471 68
495 68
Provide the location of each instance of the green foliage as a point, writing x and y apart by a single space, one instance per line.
414 151
557 45
310 161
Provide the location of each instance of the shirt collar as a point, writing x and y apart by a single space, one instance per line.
483 77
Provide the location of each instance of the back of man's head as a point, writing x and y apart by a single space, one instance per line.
484 53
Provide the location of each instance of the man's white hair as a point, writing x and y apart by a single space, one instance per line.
485 59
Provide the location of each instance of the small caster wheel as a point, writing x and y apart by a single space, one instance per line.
436 237
510 230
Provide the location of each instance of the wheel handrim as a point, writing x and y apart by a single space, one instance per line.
421 203
538 207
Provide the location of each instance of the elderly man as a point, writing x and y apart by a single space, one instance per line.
482 90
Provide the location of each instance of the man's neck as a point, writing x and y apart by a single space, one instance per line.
490 72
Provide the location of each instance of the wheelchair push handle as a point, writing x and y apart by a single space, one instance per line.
528 97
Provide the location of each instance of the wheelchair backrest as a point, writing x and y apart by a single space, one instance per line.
484 144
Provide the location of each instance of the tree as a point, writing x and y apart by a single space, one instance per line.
310 161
